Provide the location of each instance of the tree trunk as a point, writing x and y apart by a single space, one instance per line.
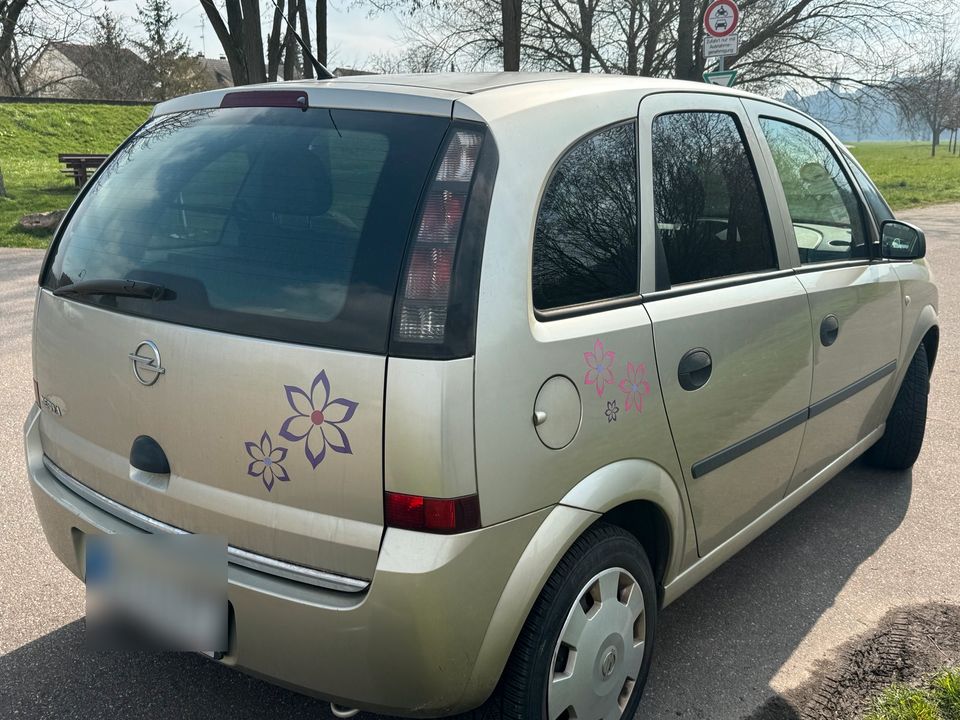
654 28
510 16
273 45
228 33
252 37
305 35
289 43
685 66
322 32
632 45
3 188
586 34
8 24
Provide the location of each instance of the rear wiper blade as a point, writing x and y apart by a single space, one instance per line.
124 288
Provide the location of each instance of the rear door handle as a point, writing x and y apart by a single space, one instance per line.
829 330
695 369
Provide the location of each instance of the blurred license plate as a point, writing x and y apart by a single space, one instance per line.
164 592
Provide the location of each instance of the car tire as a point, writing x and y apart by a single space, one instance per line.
900 444
588 568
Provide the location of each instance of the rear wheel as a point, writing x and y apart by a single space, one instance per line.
901 442
585 649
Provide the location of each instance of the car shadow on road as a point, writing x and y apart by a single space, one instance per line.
718 647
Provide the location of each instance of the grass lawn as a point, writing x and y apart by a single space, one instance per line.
907 175
940 700
31 136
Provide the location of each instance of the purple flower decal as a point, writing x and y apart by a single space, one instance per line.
266 461
318 419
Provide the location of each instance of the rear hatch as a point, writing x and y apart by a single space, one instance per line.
253 254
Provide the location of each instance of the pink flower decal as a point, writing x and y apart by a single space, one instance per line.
266 461
600 363
317 420
635 386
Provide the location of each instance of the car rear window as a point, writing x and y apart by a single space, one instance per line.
272 222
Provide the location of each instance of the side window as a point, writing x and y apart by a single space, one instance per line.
585 242
711 218
823 206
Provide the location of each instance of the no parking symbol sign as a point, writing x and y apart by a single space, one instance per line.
721 18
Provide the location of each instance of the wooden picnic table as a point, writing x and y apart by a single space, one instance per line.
80 165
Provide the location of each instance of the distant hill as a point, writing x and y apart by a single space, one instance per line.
857 116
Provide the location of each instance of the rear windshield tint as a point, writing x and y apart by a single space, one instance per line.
271 222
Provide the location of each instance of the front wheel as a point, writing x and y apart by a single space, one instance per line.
586 647
900 444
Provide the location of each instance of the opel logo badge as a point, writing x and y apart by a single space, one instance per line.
146 363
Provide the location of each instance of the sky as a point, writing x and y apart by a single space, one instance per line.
351 37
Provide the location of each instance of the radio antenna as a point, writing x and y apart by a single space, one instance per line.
322 72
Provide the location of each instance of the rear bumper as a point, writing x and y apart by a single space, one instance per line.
415 643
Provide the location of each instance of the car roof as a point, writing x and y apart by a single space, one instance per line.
435 93
461 82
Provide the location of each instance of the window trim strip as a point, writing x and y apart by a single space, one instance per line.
742 447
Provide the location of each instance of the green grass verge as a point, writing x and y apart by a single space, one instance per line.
31 137
907 175
946 693
940 700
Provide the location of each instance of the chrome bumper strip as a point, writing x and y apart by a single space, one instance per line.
237 556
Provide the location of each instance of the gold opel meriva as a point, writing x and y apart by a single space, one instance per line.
459 378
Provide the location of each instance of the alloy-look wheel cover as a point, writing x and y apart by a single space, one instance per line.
600 650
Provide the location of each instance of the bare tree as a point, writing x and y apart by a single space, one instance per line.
479 30
510 20
784 43
321 15
928 90
28 28
414 59
240 35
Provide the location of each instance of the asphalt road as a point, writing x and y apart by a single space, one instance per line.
864 544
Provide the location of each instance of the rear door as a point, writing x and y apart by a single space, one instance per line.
730 320
855 300
276 237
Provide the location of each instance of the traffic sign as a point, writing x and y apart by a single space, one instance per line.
724 78
721 46
721 18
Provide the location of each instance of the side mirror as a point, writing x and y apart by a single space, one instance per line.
901 241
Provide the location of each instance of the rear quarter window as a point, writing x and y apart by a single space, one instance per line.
271 222
585 241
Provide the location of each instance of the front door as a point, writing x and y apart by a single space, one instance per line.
730 319
855 301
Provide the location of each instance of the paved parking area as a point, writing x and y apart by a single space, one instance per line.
864 544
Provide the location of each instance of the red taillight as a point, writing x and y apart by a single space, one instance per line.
427 281
436 515
36 393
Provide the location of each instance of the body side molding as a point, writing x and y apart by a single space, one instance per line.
699 570
731 453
